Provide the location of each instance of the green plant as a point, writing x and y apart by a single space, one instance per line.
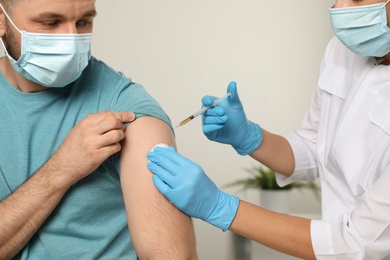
264 178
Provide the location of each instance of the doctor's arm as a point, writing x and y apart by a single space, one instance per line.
363 233
158 229
180 180
275 152
284 233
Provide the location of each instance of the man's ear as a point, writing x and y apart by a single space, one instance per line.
3 20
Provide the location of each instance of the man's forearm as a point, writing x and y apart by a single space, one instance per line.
22 213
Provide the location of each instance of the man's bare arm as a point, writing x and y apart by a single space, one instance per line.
26 209
158 229
88 144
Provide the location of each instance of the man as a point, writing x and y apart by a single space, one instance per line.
73 177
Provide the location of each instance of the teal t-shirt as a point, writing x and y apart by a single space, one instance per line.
90 222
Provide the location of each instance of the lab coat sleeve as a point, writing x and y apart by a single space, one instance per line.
364 233
305 162
303 143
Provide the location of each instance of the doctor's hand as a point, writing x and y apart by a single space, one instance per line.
186 186
227 123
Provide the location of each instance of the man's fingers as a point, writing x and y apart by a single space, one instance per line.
106 121
107 151
124 117
111 137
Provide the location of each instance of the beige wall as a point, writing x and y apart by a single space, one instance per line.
182 50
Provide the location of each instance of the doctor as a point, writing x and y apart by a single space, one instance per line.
344 139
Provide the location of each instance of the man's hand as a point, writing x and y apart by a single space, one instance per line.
89 144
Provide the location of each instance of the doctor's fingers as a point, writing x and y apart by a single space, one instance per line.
216 111
162 165
169 158
232 89
161 185
173 195
208 100
234 98
214 120
166 176
211 131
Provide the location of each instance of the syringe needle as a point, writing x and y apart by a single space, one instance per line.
188 119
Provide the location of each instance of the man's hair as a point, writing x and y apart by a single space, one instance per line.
9 5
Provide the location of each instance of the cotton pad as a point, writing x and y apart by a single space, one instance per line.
160 145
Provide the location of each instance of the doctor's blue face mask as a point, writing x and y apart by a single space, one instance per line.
51 60
362 29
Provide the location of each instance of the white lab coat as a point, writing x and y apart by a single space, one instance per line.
344 140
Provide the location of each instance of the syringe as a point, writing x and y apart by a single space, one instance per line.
188 119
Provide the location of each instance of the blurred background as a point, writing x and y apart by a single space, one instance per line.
182 50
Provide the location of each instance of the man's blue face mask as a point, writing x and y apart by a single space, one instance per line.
362 29
51 60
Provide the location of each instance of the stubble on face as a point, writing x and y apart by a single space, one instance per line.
11 43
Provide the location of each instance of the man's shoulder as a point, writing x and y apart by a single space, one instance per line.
98 70
100 77
101 84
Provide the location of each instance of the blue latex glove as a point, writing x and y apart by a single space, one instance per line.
186 186
227 123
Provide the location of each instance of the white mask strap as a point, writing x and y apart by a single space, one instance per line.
12 21
2 43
